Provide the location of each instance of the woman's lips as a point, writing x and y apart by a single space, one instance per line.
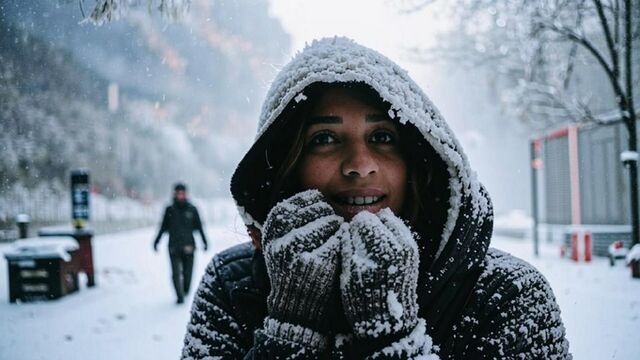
349 203
349 211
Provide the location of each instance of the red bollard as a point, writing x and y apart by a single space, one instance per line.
587 246
85 254
574 246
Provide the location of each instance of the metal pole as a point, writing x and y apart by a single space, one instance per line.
631 121
535 164
633 182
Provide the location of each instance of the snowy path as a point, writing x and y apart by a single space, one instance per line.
131 313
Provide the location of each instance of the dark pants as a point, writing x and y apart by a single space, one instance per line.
181 268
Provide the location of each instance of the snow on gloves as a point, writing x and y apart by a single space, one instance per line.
313 257
301 245
379 275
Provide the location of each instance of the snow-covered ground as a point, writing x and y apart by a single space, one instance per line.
131 313
600 304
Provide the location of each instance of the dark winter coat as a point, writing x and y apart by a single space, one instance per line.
180 220
477 302
510 313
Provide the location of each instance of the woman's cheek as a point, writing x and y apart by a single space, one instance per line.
395 169
314 173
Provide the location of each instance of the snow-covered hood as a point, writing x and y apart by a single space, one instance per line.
338 59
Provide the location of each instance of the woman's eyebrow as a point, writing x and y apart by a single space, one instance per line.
377 117
325 119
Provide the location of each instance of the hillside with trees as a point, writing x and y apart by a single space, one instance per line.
187 97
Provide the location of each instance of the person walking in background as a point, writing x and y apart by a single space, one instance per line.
180 220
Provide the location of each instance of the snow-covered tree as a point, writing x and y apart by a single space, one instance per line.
557 61
551 58
108 10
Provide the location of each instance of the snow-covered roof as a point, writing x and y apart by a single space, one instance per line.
43 247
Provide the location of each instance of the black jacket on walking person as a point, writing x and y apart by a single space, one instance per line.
180 220
315 283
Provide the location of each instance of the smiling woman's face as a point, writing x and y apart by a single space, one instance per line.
352 155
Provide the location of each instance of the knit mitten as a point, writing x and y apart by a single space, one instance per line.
301 245
379 276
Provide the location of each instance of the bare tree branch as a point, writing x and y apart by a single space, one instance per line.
628 53
574 48
636 34
415 5
570 64
81 8
571 35
616 17
534 48
611 46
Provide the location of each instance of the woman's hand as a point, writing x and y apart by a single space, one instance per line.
379 276
301 248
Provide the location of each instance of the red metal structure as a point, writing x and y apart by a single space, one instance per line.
580 189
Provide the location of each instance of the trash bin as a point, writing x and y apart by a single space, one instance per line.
85 253
42 269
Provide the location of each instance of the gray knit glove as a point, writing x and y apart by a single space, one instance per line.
301 248
379 276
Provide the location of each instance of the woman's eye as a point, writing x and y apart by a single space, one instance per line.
383 137
322 139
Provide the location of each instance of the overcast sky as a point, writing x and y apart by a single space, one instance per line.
378 24
374 23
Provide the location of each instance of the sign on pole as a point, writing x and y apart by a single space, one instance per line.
79 197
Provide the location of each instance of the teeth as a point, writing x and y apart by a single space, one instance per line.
362 200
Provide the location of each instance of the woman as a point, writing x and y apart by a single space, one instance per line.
370 232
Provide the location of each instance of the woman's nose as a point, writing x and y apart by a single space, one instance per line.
359 161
